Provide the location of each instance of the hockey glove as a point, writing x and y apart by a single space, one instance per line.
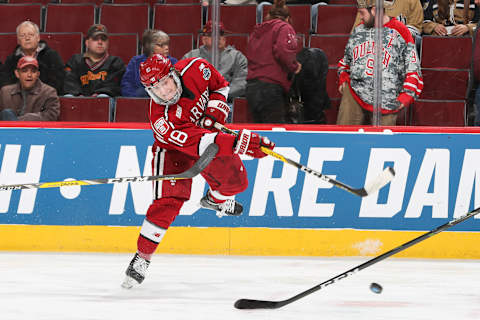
216 111
249 143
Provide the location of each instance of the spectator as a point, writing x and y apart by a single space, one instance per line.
95 73
271 54
451 17
30 99
153 41
409 12
476 73
29 44
232 63
402 81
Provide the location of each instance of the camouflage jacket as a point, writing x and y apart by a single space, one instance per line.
401 76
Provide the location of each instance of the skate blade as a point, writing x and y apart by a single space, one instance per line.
129 283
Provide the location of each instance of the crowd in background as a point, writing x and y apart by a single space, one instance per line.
272 72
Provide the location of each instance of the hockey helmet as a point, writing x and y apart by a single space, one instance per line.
160 80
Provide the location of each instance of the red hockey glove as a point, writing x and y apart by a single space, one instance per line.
249 143
216 111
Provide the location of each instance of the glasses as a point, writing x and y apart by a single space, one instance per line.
162 44
26 35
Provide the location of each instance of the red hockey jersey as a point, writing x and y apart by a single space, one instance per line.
175 126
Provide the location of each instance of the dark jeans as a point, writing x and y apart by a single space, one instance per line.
267 101
8 115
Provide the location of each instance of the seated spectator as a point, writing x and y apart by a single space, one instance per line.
95 73
449 17
30 99
232 64
153 41
29 44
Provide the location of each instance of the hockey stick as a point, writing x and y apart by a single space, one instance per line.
379 182
197 167
262 304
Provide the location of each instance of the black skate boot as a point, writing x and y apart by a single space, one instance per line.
227 208
135 272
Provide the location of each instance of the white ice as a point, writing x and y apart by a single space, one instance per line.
70 286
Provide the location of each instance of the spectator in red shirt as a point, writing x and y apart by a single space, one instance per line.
271 54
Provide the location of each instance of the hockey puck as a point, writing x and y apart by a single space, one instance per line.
376 288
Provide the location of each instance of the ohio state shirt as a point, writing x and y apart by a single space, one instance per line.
401 76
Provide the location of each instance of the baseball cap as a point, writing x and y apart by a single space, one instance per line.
207 28
27 61
97 29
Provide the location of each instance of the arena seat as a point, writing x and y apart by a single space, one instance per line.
9 43
178 18
84 109
69 17
332 112
438 113
123 45
332 83
333 19
241 113
97 2
13 14
238 18
445 84
125 18
180 44
446 52
132 109
332 45
65 43
239 41
300 17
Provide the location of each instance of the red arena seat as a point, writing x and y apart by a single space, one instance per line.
65 43
13 14
180 44
69 17
84 109
123 45
132 109
332 45
446 52
335 19
125 18
438 113
178 18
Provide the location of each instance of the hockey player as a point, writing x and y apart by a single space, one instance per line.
186 102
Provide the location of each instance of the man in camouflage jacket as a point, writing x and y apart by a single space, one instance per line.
401 77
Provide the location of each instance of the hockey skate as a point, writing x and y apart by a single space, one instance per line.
227 208
136 271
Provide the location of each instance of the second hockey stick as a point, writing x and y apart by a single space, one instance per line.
197 167
262 304
379 182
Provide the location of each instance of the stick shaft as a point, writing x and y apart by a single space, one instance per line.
261 304
198 167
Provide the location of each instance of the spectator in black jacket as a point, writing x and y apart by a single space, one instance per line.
29 44
95 73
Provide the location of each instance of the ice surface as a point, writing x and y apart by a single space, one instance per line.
70 286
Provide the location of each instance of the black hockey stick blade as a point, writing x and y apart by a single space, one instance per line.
264 304
197 167
371 187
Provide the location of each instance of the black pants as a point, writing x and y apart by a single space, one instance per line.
267 101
